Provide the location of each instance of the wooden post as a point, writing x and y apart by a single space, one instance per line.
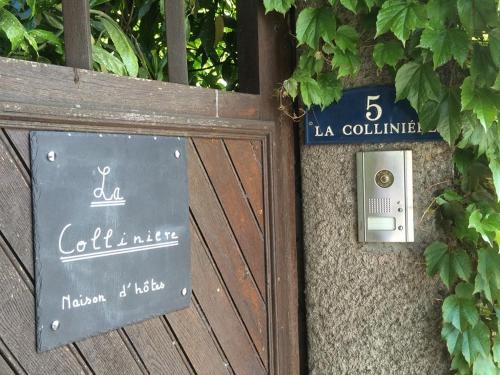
78 50
176 41
275 65
247 45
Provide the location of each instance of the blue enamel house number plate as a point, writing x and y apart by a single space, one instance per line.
365 115
111 232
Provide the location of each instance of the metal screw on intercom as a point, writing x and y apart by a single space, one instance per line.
400 227
51 156
400 209
184 291
55 325
177 154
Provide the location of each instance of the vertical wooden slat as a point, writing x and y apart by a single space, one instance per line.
176 41
77 33
247 46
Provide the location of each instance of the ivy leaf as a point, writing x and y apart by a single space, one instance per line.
346 38
401 17
459 309
462 264
347 62
453 338
4 3
316 23
350 4
476 342
387 53
331 88
418 83
460 365
495 172
443 115
496 349
439 11
483 365
482 70
486 226
476 15
445 44
311 91
12 28
488 274
281 6
439 258
483 101
291 87
494 44
122 45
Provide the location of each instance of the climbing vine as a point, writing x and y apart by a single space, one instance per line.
445 58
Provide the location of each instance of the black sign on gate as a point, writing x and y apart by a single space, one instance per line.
111 232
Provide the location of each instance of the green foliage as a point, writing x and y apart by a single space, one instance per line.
128 37
445 57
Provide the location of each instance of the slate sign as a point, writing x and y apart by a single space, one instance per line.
365 115
111 232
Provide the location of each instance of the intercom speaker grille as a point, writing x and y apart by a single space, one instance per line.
379 205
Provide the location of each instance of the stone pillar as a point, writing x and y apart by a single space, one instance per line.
371 308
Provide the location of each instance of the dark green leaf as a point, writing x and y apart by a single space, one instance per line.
459 308
281 6
483 365
387 53
494 44
483 101
476 15
347 38
418 83
434 254
482 70
444 116
316 23
310 92
350 4
440 11
462 264
476 342
488 274
331 88
122 45
401 17
346 62
107 61
445 44
495 172
12 28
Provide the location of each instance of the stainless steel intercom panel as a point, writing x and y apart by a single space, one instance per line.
385 196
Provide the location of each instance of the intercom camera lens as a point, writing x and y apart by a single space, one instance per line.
384 178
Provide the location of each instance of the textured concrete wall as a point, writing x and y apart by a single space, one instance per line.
371 309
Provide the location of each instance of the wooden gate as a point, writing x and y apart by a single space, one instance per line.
243 314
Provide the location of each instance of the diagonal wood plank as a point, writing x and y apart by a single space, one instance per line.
15 224
17 326
220 312
248 166
4 367
226 253
157 349
235 204
194 336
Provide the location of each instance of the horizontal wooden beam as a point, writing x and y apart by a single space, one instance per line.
78 49
53 95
